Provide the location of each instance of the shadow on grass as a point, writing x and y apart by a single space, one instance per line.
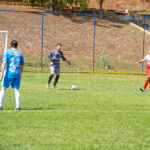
37 109
27 109
71 90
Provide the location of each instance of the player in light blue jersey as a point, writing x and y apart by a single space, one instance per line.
54 57
12 68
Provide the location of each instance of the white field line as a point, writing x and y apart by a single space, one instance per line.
78 111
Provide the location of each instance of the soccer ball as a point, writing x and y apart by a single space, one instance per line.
73 87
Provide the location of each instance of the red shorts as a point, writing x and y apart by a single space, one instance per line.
148 73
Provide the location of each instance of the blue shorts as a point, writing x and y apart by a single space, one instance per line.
14 82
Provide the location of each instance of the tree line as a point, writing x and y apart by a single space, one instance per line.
82 4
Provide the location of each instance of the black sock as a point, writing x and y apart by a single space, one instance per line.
56 80
149 80
50 78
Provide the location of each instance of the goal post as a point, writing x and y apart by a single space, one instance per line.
3 44
3 41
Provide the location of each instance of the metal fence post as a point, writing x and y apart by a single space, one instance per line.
143 41
42 46
94 44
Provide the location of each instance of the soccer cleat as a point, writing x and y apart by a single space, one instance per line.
54 87
47 86
142 89
0 107
17 108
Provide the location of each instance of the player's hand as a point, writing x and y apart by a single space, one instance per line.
1 77
136 63
69 62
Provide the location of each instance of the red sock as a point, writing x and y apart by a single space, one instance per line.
145 85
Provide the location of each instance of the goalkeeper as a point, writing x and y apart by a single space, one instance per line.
147 59
54 57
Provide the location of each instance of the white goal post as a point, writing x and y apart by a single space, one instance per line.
3 45
3 41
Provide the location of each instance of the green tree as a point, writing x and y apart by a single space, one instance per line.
59 3
82 3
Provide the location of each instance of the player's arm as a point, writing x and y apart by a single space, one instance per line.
5 59
50 55
140 61
3 69
67 61
21 65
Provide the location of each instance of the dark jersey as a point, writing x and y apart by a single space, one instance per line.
55 56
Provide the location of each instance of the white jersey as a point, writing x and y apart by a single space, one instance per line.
147 58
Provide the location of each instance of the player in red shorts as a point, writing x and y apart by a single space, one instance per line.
147 59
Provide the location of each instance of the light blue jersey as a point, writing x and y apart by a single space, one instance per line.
14 59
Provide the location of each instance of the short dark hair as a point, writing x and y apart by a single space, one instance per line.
59 44
14 43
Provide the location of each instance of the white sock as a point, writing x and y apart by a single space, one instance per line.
2 96
17 97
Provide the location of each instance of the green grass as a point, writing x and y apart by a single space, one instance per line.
107 112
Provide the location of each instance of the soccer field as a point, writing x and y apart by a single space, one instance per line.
107 112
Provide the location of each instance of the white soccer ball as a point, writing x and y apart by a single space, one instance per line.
73 87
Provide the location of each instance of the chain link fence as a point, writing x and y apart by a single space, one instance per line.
109 43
